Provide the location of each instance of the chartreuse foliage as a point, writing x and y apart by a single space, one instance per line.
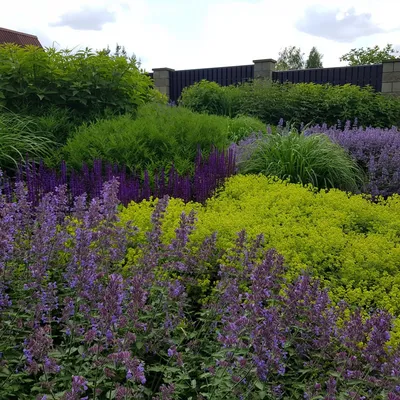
350 243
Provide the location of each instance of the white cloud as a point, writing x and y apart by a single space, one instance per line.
87 18
206 34
333 25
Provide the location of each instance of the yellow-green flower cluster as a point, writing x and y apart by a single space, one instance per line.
349 242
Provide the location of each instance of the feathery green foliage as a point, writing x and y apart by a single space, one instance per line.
158 136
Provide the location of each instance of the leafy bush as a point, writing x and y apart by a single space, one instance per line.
302 159
157 137
205 97
21 137
348 242
90 84
241 126
73 327
297 103
57 123
376 150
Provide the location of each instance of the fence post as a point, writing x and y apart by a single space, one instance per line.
264 68
391 77
161 77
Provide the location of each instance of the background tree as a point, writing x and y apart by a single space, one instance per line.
290 58
314 59
120 51
374 55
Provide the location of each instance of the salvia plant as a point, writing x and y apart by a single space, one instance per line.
209 173
78 322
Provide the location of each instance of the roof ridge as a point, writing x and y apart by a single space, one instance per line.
18 32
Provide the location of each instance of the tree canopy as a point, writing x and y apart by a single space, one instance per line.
370 55
292 58
314 59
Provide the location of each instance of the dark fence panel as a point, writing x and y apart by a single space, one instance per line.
362 75
224 76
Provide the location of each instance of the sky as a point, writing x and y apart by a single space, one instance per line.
189 34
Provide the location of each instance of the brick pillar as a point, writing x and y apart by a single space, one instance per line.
264 68
391 77
161 77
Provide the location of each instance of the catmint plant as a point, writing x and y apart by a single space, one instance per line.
81 320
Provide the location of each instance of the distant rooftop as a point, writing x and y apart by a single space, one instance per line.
23 39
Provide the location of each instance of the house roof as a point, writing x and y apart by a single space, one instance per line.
23 39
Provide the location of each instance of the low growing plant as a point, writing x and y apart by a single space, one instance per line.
72 326
348 242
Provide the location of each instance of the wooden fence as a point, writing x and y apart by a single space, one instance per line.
224 76
173 82
362 75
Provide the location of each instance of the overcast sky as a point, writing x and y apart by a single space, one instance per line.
183 34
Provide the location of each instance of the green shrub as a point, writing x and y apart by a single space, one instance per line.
350 243
296 103
303 159
240 127
87 83
205 97
157 137
58 123
21 137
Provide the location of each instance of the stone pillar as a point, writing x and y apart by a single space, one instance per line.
161 77
264 68
391 77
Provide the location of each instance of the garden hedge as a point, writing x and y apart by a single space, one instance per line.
297 103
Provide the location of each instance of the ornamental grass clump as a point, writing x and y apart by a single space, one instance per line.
81 320
314 159
21 137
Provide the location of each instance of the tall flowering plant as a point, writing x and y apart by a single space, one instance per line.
79 321
376 150
209 174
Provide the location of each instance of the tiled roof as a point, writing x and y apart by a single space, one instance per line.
23 39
